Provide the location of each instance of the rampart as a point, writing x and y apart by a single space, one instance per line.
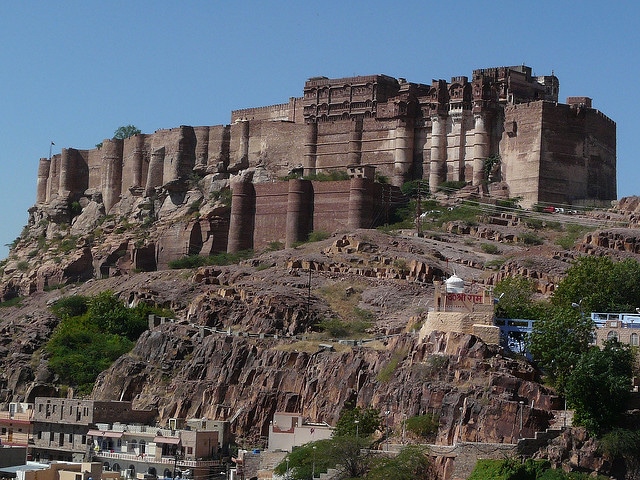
263 213
443 131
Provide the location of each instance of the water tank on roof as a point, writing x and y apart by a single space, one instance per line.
454 284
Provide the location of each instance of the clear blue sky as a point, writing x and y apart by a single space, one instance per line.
74 71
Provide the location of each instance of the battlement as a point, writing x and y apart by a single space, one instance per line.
443 131
282 112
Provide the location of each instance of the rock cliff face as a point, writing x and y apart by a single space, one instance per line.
245 344
475 390
246 341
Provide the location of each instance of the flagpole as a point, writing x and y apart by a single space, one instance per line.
51 144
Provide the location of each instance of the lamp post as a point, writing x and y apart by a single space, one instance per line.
313 467
521 408
387 413
357 422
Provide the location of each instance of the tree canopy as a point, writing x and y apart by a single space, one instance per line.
348 452
516 300
126 131
599 284
358 421
600 385
93 332
559 337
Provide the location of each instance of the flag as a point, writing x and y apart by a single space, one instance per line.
52 143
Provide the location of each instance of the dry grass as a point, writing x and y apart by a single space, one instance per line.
343 298
309 346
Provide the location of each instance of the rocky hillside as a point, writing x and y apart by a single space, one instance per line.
256 337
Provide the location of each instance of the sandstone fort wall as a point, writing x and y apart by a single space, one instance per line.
549 153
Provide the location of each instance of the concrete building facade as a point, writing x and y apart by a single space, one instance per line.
61 425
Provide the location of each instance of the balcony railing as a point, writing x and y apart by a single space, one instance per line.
145 457
24 417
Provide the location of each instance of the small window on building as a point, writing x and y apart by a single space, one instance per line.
612 335
39 435
634 339
84 440
189 450
71 438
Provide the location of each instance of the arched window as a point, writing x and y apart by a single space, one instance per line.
634 339
133 444
131 471
116 467
612 335
143 447
106 466
167 473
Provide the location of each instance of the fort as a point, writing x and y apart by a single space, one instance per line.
502 132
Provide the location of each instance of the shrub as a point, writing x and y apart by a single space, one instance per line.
274 246
489 248
71 306
194 261
387 371
451 186
332 176
12 302
23 265
423 425
317 236
93 332
572 233
531 239
335 327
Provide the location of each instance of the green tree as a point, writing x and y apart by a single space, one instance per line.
412 463
559 338
423 426
312 457
415 188
113 316
93 332
72 306
621 443
600 385
79 350
599 284
358 422
126 131
515 298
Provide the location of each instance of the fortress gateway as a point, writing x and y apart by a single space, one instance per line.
502 132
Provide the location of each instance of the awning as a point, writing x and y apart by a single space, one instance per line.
26 468
104 433
170 440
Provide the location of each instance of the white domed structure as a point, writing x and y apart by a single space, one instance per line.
454 284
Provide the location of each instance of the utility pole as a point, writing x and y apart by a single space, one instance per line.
419 210
309 294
